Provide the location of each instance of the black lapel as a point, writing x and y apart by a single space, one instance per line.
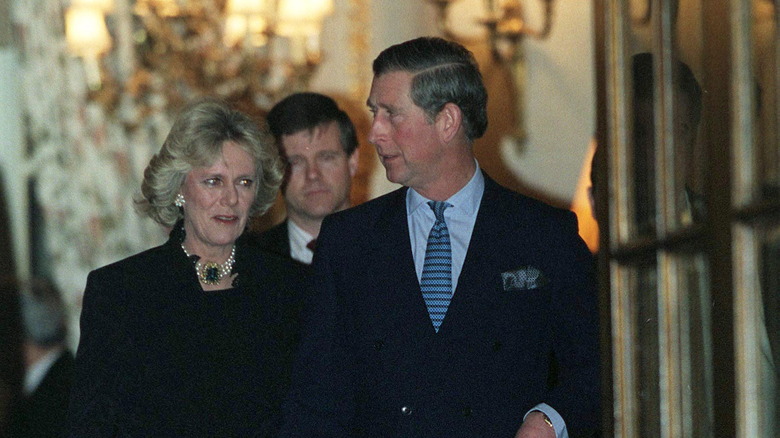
392 253
495 225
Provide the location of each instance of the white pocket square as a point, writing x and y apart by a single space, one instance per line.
524 278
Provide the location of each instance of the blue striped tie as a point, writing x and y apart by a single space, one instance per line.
436 279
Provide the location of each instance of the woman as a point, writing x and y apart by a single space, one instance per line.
194 337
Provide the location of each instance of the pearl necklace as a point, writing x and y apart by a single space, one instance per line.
212 273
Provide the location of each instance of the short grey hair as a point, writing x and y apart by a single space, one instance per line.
443 72
196 140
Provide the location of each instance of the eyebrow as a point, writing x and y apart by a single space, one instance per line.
384 106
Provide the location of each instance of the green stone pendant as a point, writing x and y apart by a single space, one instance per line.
210 273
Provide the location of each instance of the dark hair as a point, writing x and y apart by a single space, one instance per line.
683 78
444 72
305 111
196 139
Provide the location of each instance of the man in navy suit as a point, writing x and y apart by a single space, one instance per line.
511 349
319 143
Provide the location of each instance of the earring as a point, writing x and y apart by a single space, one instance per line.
179 202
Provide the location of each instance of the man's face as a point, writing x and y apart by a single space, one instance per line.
319 174
406 141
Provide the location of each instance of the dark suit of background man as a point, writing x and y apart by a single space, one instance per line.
517 351
319 143
42 411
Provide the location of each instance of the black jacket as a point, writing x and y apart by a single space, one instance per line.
158 356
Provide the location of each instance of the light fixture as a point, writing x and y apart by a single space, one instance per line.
254 51
87 34
505 24
506 28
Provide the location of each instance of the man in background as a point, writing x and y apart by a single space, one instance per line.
42 410
319 144
687 110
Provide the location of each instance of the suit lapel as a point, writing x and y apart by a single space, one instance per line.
399 287
479 276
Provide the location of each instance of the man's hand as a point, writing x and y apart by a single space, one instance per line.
535 426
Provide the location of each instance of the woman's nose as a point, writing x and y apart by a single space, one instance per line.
230 195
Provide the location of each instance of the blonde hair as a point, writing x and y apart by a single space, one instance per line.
196 140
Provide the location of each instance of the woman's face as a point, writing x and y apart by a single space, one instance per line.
217 201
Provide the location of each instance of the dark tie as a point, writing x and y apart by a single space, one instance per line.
436 279
312 244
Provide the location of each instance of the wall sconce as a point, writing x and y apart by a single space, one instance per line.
505 24
87 34
251 50
506 28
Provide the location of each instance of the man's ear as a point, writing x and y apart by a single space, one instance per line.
449 121
352 162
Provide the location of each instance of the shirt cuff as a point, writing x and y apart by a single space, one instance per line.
558 424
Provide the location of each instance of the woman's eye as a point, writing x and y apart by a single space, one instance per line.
212 181
246 182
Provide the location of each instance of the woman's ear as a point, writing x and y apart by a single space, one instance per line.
449 121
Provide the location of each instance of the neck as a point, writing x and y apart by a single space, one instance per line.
216 254
311 226
449 181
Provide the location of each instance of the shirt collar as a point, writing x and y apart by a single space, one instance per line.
466 200
297 233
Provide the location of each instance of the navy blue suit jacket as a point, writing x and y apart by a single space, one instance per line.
372 365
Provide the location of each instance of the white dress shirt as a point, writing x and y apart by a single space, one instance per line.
298 241
460 219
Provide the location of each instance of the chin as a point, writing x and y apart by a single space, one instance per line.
394 176
319 213
230 237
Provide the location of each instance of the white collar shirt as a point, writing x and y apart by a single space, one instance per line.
299 238
460 219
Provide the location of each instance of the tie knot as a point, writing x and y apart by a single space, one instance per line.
438 208
312 244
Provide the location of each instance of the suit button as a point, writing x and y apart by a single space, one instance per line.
466 411
497 346
406 410
378 345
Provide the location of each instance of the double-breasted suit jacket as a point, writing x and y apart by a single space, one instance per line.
521 328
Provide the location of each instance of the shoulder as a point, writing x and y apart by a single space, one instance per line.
156 259
262 261
271 271
261 238
370 212
519 207
135 278
275 239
